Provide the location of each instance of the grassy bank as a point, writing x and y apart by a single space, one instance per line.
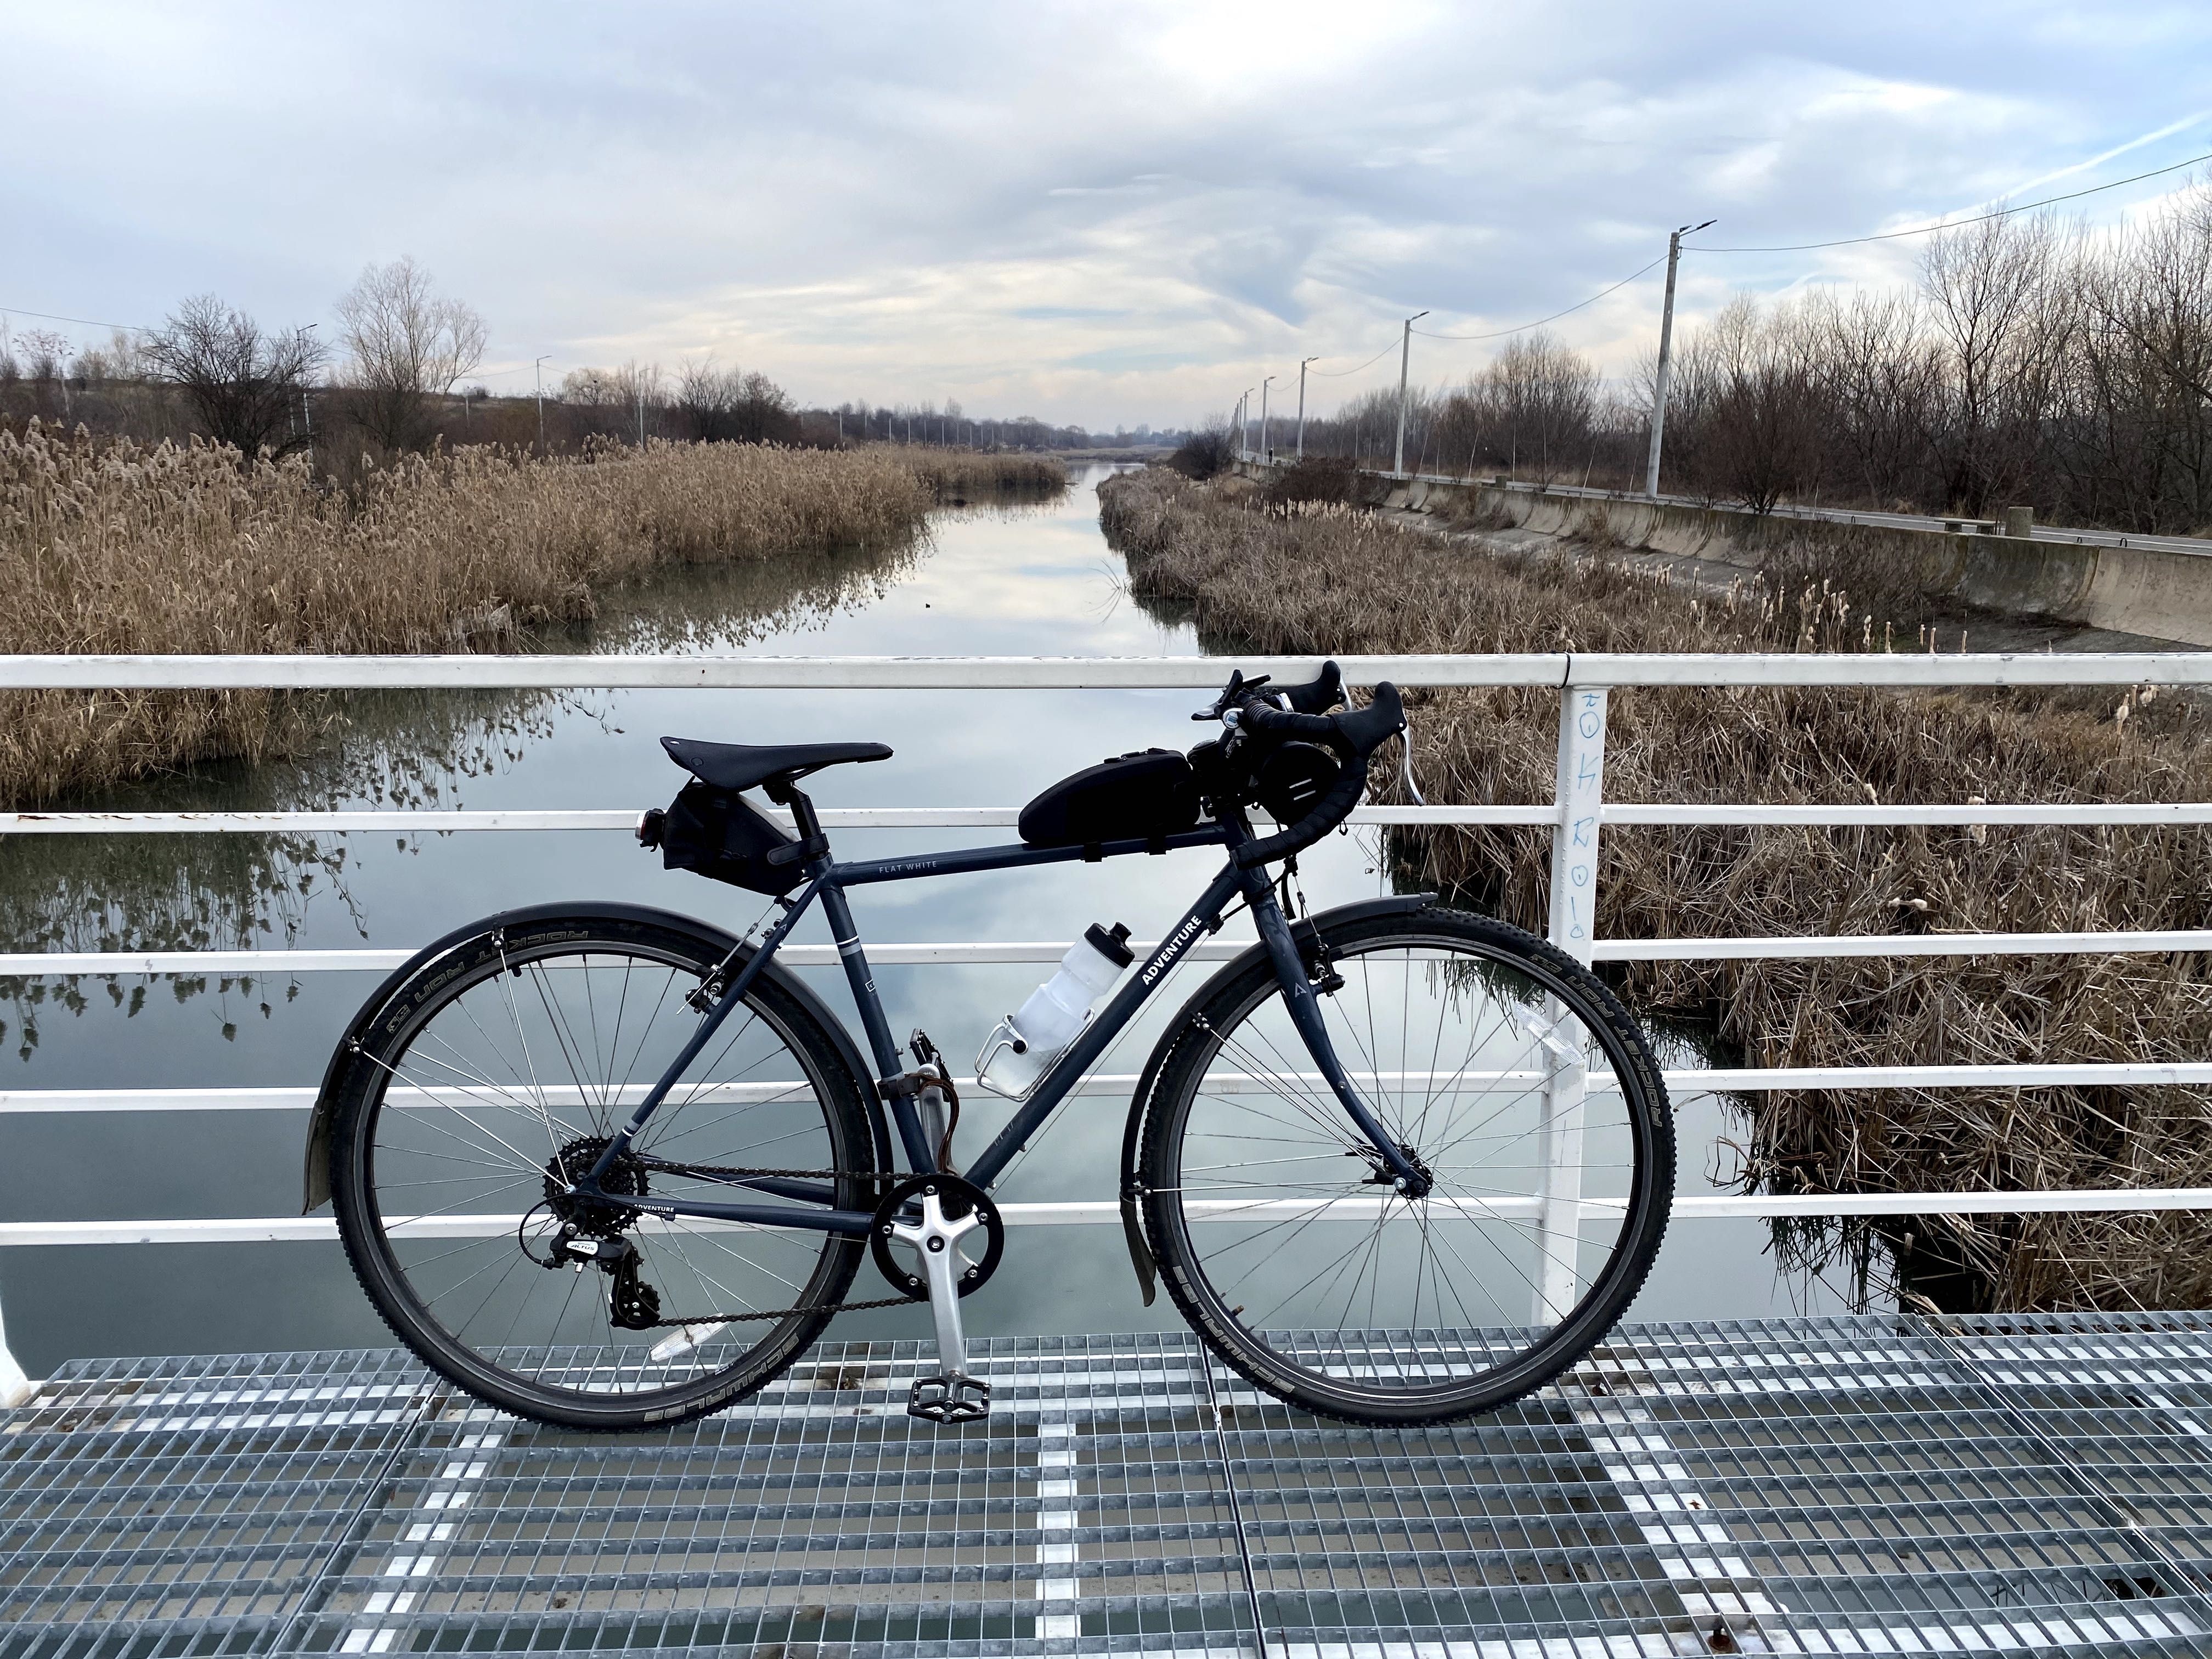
959 475
1311 578
117 548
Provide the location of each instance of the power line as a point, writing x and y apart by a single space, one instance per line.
1954 224
1524 328
1338 374
1500 334
90 322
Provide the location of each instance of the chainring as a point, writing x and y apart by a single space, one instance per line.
959 1197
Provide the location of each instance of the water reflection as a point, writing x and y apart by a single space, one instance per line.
376 750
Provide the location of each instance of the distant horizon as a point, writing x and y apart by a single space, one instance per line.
1097 220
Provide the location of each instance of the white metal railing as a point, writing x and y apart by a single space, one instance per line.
1577 814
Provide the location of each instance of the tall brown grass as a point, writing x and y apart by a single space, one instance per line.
1316 578
120 548
961 474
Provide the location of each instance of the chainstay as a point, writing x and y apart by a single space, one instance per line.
722 1170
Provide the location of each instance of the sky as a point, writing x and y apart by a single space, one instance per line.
1104 215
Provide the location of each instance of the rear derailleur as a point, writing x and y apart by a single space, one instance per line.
632 1304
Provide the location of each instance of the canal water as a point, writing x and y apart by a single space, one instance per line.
1013 580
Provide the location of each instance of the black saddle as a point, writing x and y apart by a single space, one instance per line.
742 765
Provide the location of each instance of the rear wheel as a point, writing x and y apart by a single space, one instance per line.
496 1075
1517 1084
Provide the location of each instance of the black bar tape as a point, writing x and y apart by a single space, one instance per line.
1362 731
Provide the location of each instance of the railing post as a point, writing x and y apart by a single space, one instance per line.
16 1388
1581 791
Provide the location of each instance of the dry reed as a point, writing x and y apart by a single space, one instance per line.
956 475
123 549
1329 579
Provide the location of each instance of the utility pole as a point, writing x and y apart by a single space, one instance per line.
306 417
1264 385
1666 359
1405 357
1244 420
540 367
1302 403
641 417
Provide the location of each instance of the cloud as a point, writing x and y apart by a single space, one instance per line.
1085 213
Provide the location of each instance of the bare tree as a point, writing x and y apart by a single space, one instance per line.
1208 450
1758 389
43 354
407 344
727 405
1544 397
1983 283
244 386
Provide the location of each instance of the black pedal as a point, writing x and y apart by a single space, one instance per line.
951 1398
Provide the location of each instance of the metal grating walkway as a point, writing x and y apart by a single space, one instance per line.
1885 1485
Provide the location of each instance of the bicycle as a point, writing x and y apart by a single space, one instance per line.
1396 1162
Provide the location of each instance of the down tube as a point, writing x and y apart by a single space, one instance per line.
1096 1036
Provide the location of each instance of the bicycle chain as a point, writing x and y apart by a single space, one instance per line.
717 1170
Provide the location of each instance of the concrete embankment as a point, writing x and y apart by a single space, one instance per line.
2152 592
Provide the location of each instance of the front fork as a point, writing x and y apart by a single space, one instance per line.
1407 1178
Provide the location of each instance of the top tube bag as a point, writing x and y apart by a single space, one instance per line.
1144 796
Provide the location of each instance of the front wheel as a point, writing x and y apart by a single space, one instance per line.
485 1086
1517 1084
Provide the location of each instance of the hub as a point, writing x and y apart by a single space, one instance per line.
579 1213
1380 1173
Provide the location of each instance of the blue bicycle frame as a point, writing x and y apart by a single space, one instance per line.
828 881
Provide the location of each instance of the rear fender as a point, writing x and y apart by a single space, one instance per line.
315 1186
1133 1231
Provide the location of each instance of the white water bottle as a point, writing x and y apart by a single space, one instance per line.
1022 1046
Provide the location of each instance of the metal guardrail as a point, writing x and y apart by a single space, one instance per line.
1950 524
1576 815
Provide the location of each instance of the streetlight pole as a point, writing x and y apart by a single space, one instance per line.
1264 385
540 366
1405 357
1666 359
1302 403
307 416
1244 420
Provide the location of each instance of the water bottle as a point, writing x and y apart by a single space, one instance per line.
1022 1047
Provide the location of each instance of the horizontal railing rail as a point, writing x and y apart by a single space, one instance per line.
1556 669
1576 816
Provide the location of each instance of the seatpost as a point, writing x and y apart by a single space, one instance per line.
784 793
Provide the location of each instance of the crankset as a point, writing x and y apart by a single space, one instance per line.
959 1199
929 1215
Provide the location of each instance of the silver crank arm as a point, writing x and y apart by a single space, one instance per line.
951 1396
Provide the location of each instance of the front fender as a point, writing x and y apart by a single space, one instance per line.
1133 1230
315 1183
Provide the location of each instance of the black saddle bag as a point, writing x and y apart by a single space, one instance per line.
1137 797
718 833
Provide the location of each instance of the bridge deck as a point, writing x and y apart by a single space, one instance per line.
1838 1485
